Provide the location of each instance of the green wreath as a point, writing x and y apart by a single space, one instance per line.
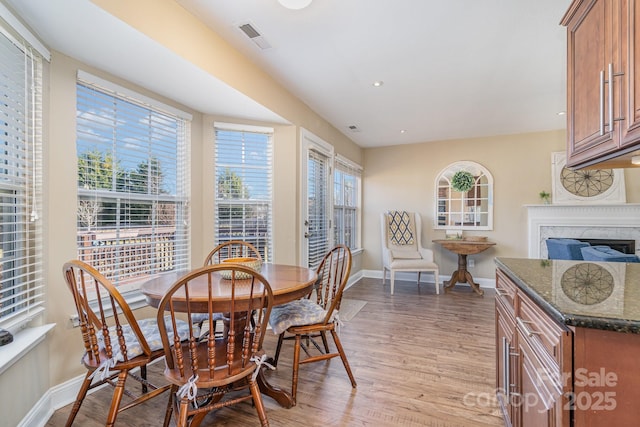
462 181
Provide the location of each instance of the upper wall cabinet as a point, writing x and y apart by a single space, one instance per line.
603 87
464 197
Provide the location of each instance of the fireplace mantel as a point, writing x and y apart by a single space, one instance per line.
602 221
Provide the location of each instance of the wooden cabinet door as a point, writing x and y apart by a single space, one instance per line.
631 79
540 397
505 367
591 56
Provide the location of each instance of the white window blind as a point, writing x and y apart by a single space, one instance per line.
133 190
243 186
319 199
346 182
21 284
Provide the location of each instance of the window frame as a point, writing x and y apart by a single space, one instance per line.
22 289
344 167
161 123
264 244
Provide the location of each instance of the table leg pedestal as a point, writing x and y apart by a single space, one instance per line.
283 397
461 275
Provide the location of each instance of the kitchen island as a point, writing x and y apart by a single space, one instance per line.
567 339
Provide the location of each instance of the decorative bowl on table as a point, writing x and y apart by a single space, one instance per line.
252 263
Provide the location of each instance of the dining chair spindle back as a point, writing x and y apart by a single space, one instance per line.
115 342
204 370
232 249
314 316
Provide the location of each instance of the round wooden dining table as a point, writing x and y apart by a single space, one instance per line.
288 283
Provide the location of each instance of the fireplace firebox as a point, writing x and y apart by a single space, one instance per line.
595 224
624 246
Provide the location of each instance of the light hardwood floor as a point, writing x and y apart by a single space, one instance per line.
420 359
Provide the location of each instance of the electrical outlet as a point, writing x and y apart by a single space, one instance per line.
471 263
75 321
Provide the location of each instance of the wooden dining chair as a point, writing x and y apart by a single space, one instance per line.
115 342
312 317
203 371
224 251
232 249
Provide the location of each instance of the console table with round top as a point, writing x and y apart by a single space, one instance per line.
463 248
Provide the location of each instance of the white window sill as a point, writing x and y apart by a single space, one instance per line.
23 341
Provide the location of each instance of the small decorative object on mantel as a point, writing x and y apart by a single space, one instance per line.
462 181
545 197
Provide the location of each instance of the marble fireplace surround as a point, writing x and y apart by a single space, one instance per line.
604 221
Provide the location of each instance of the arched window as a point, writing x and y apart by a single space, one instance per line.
464 197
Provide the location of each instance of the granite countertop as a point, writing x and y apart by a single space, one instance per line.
599 295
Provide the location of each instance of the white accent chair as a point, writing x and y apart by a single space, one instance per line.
410 256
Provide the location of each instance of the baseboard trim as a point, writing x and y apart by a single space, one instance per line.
58 397
377 274
55 398
354 278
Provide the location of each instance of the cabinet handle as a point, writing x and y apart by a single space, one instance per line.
525 328
601 102
501 293
505 366
610 97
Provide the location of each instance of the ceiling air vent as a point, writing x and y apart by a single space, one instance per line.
354 128
250 31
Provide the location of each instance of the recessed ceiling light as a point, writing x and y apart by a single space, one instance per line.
562 113
403 130
295 4
378 83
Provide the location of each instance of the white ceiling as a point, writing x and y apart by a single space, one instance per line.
451 69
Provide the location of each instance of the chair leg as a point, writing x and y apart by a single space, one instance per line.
117 397
384 276
323 334
436 280
278 347
82 393
181 420
169 411
392 280
257 401
343 356
143 375
418 282
296 365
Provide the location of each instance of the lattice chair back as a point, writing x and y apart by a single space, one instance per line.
203 367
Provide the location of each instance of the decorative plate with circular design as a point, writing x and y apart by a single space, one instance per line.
587 283
587 182
585 185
